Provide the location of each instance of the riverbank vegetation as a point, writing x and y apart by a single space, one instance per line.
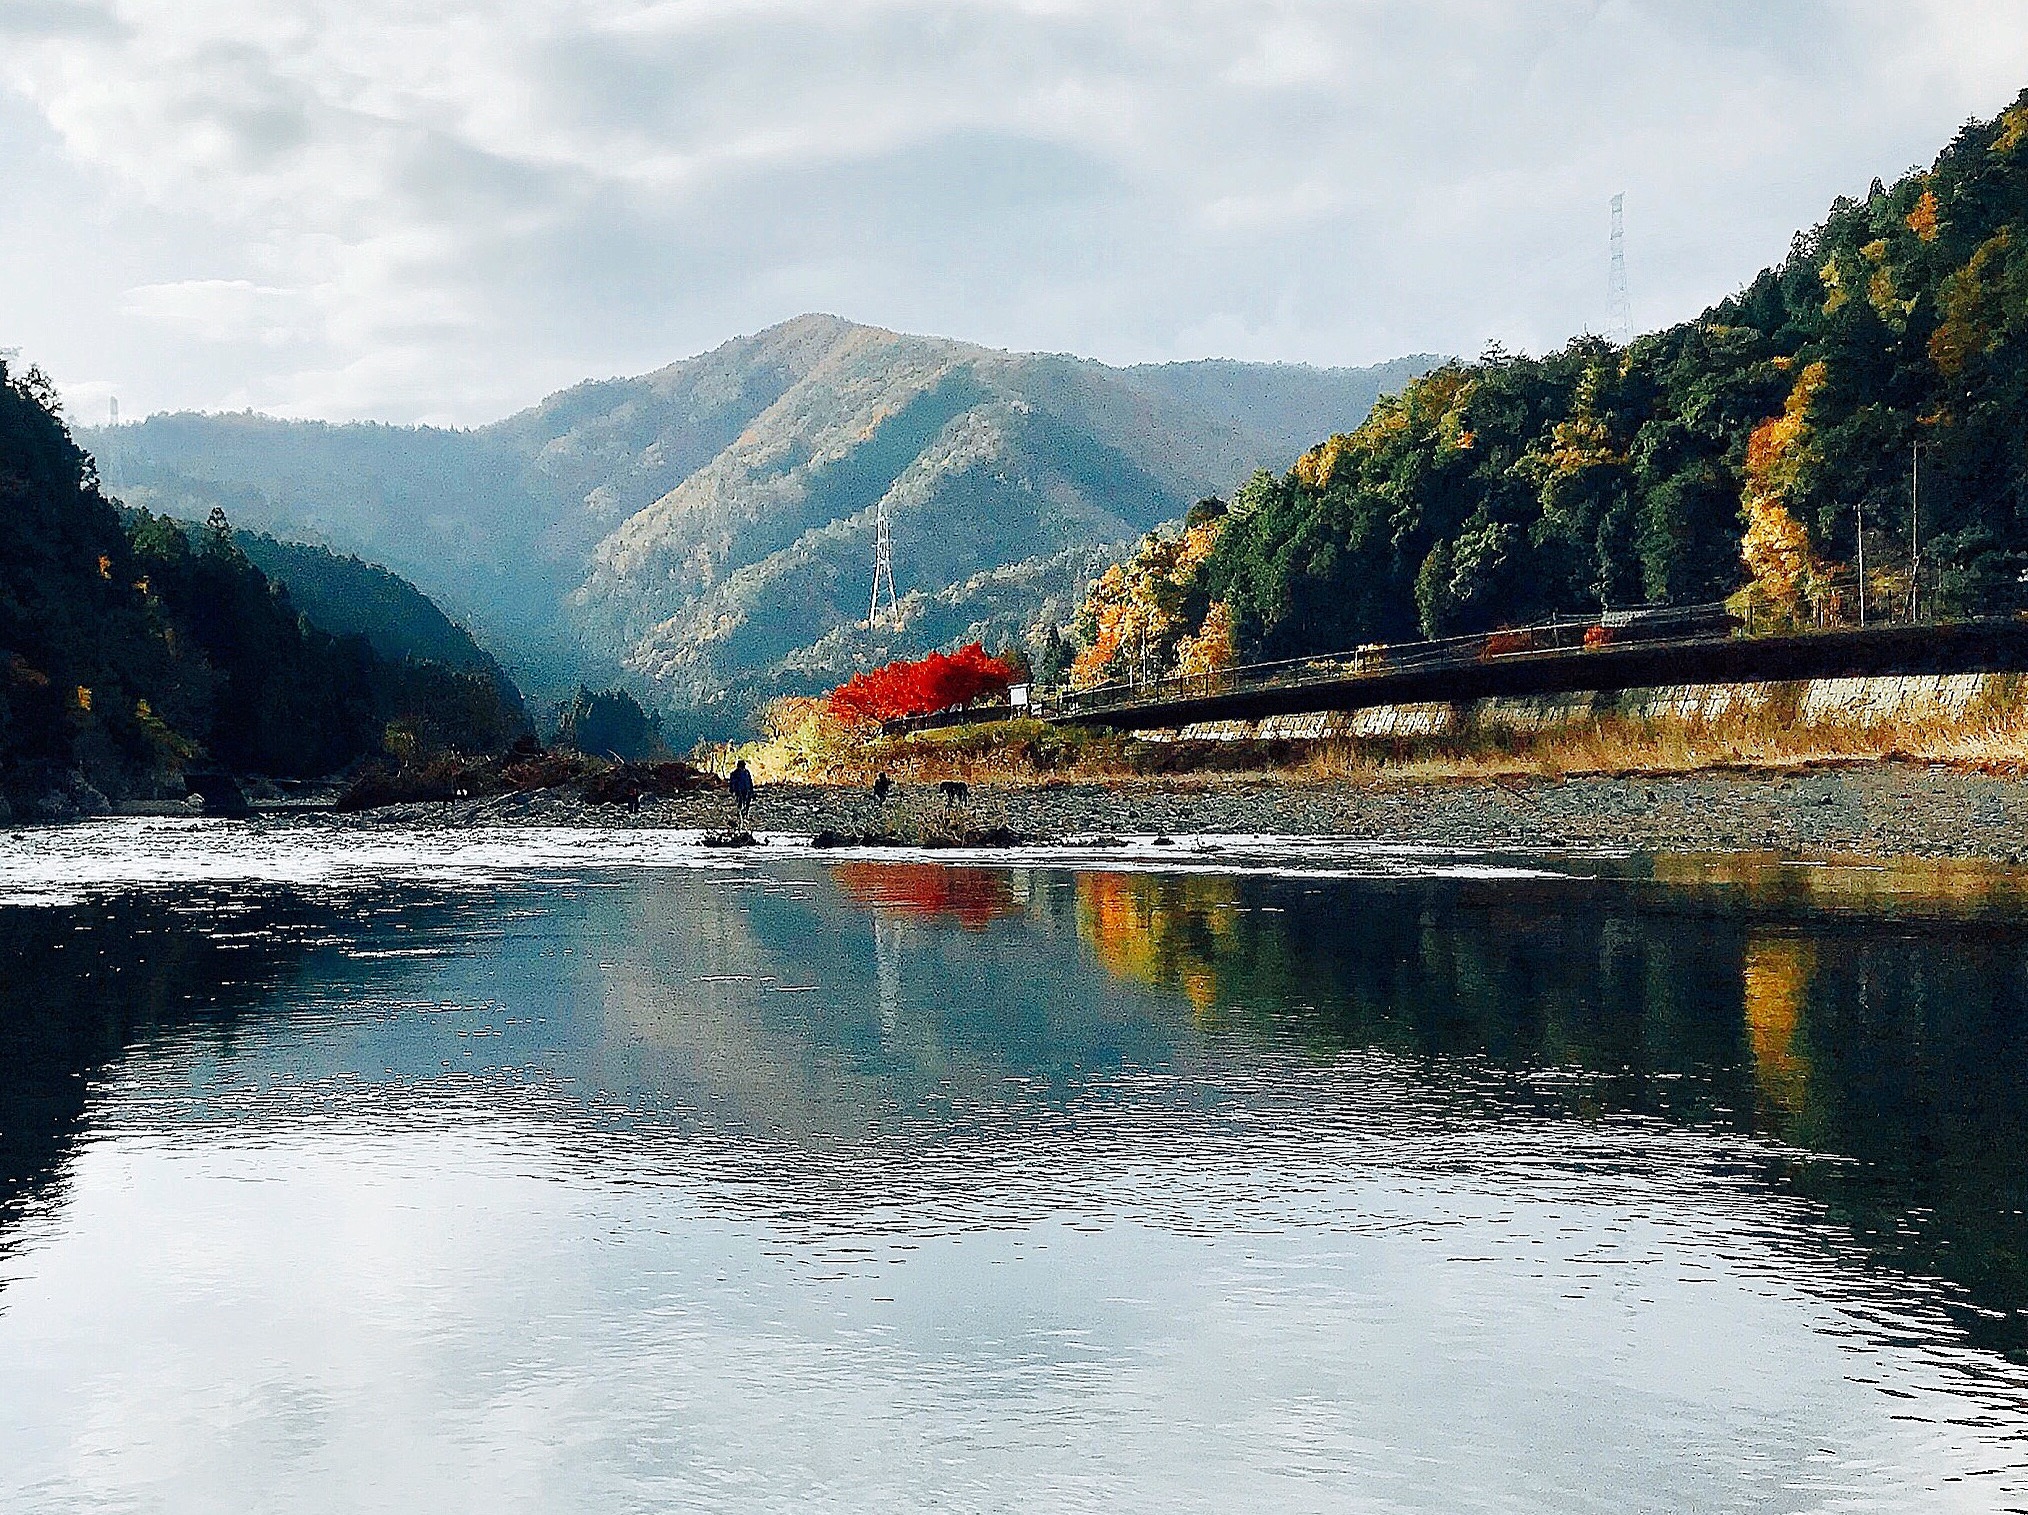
802 746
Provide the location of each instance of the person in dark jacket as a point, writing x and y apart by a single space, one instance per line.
741 784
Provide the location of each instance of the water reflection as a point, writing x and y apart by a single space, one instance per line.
85 984
1871 1013
1120 1188
973 897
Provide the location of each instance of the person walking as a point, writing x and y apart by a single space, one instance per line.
741 784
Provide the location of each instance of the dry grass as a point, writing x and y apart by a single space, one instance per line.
1993 741
1007 752
1992 738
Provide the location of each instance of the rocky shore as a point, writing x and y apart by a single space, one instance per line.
1874 808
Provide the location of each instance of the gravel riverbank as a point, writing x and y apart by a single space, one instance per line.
1879 809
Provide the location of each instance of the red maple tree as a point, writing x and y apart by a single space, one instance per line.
936 682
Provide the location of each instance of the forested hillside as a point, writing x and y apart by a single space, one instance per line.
132 648
457 513
709 526
1740 449
349 597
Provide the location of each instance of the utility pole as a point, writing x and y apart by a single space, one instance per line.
883 569
1619 309
1862 564
1914 528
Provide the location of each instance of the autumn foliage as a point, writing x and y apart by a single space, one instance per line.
936 682
1142 614
1776 549
973 897
1515 488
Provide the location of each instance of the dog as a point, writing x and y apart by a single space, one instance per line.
882 787
955 792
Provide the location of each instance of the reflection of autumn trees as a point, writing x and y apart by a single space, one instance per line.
1957 889
1168 931
973 897
1776 979
1880 1015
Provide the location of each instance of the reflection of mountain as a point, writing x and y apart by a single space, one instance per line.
871 996
85 985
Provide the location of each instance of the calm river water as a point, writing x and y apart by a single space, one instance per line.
538 1171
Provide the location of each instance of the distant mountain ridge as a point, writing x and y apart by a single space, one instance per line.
708 526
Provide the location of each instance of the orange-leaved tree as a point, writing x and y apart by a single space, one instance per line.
1139 615
1776 548
902 688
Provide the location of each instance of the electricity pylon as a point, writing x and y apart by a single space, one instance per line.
1619 309
883 569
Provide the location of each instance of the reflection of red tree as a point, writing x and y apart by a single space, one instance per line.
937 682
973 897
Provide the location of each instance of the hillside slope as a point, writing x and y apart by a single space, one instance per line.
708 525
352 598
1743 451
134 646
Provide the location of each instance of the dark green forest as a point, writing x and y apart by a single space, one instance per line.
133 647
348 596
1738 450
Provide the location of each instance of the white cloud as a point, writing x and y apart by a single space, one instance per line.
439 210
224 310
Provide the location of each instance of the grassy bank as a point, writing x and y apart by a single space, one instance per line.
1990 739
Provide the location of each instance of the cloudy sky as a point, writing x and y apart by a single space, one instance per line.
443 209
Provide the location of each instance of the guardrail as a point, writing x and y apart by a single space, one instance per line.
1684 625
1657 629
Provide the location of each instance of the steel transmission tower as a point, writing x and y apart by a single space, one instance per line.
1619 309
883 568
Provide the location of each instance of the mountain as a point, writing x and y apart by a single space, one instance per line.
1738 452
709 527
455 512
351 598
134 646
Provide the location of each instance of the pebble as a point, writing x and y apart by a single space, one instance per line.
1877 809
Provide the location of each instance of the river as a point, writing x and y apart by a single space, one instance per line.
561 1171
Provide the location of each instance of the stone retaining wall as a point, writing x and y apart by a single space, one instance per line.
1807 702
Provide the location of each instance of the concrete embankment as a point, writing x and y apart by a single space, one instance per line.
1843 703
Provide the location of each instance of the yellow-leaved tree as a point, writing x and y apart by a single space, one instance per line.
1213 648
1137 616
1776 549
